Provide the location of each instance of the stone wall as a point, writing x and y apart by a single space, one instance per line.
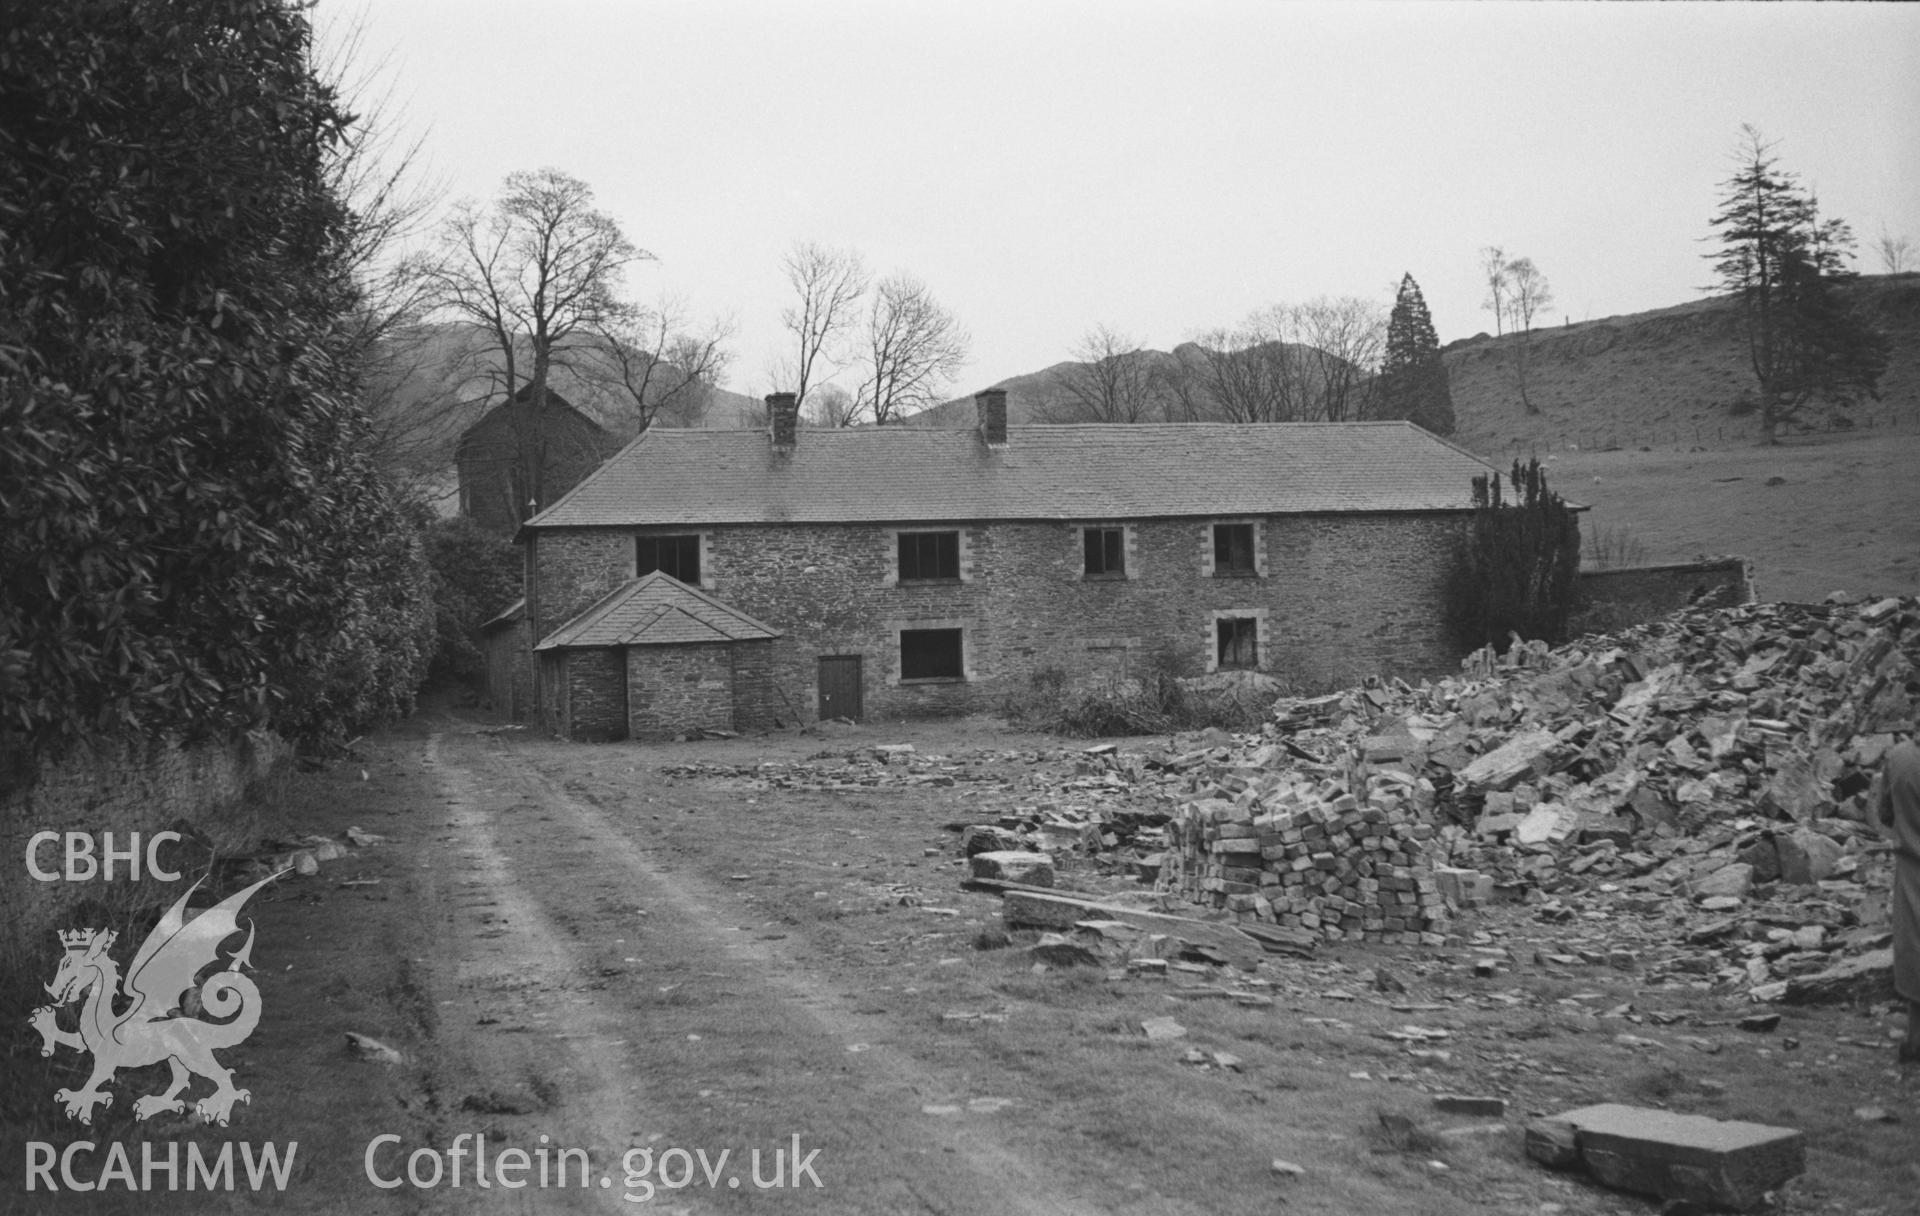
509 668
1610 600
676 688
1339 597
756 698
596 695
126 786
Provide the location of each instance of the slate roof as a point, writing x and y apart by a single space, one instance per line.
656 610
908 474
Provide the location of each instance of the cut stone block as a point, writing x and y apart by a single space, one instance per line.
1864 977
1035 910
1735 881
1553 1144
1692 1157
1033 869
1463 888
1057 950
1506 764
986 838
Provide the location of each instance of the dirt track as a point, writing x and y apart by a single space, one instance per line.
582 975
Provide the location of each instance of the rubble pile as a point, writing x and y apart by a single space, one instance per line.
1715 763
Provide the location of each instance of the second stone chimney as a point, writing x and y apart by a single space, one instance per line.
783 415
992 407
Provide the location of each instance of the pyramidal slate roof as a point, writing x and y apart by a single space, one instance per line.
656 610
908 474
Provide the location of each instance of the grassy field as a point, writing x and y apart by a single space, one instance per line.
1815 515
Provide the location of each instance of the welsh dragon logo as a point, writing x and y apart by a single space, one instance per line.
159 1023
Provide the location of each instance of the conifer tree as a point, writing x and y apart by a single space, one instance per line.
1413 381
1779 260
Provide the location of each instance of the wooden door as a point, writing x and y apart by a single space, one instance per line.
840 687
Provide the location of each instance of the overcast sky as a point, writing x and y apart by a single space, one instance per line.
1159 167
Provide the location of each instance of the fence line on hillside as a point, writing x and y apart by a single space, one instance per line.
1698 435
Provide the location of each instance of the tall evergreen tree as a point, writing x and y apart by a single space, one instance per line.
1413 381
1780 262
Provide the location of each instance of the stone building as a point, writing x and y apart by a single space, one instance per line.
903 571
496 455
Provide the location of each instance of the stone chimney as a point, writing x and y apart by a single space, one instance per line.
992 407
783 412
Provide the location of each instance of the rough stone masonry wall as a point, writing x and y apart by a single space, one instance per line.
675 688
1611 600
1339 596
757 703
125 786
596 697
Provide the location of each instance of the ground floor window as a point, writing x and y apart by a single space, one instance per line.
930 654
1239 641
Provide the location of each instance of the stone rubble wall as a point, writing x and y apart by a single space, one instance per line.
126 785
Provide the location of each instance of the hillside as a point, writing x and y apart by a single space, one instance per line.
1043 396
1635 424
1661 379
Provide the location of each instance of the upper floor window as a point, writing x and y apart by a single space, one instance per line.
1233 549
675 556
929 556
1106 552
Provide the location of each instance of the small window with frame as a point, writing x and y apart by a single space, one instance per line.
1105 552
929 557
1238 640
675 556
1233 551
931 654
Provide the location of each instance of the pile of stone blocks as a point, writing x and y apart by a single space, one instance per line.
1319 856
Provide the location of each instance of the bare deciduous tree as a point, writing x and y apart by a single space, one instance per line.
538 274
829 405
661 368
1342 341
827 285
1527 295
1112 381
1248 373
1896 252
913 347
1493 269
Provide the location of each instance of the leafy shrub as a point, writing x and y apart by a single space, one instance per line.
196 540
476 574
